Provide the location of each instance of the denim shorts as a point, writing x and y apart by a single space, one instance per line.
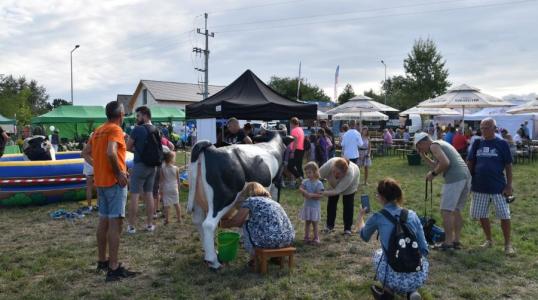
142 178
112 201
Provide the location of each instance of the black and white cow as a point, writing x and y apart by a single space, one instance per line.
217 175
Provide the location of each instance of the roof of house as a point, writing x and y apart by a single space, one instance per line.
177 91
173 91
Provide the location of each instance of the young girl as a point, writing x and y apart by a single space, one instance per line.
311 189
169 184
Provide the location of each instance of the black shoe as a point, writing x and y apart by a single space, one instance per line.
102 266
119 273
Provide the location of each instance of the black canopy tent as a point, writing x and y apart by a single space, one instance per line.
249 98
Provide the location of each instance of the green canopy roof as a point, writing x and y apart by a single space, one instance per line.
4 120
70 114
163 114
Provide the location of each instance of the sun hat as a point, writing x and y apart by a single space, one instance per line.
419 136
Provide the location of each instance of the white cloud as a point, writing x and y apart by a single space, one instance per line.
123 41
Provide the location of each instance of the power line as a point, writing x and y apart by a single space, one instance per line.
375 16
338 13
219 12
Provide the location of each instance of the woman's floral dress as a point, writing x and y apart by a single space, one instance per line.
268 225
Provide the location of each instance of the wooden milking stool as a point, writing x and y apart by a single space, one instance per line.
262 255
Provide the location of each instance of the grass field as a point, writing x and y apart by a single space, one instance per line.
47 259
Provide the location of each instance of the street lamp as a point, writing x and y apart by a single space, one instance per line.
76 47
385 82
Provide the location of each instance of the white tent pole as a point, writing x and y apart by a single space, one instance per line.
463 118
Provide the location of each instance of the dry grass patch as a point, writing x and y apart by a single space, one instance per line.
47 259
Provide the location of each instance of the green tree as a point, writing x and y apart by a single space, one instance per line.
59 102
22 99
425 76
346 94
376 97
425 68
288 87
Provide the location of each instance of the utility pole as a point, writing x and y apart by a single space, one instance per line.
206 56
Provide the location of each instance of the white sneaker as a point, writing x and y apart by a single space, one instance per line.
150 228
415 296
131 229
487 244
509 250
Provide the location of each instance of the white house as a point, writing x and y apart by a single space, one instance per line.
166 93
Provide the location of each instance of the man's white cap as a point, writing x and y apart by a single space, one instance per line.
419 136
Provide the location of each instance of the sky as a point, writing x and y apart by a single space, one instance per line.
489 44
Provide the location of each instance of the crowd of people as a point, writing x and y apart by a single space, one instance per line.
463 139
485 171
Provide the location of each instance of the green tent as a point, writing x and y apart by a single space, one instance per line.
72 121
162 114
4 120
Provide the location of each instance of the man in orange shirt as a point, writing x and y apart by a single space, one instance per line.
106 152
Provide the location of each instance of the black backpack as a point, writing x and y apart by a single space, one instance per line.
152 155
403 254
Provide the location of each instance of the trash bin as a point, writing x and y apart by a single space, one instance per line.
413 159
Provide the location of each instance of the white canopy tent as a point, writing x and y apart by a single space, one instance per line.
359 104
430 111
366 116
530 107
464 96
322 115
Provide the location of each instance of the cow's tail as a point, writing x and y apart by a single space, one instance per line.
196 156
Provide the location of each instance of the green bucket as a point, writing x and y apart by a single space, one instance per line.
227 243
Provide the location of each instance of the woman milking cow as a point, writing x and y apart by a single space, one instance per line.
218 175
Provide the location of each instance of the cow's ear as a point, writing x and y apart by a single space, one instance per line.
288 139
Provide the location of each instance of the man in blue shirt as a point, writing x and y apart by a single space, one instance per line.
490 160
449 136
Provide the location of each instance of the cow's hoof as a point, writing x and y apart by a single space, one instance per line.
212 266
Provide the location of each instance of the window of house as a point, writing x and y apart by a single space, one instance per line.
144 96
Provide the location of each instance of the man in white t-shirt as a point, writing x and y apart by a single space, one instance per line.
351 141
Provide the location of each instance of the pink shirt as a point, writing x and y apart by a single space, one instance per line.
298 134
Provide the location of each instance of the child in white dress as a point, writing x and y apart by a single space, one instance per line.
311 189
169 184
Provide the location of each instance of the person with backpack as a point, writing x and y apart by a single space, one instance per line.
401 264
145 142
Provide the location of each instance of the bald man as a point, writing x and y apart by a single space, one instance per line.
490 163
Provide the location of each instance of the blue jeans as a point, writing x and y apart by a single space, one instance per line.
112 201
